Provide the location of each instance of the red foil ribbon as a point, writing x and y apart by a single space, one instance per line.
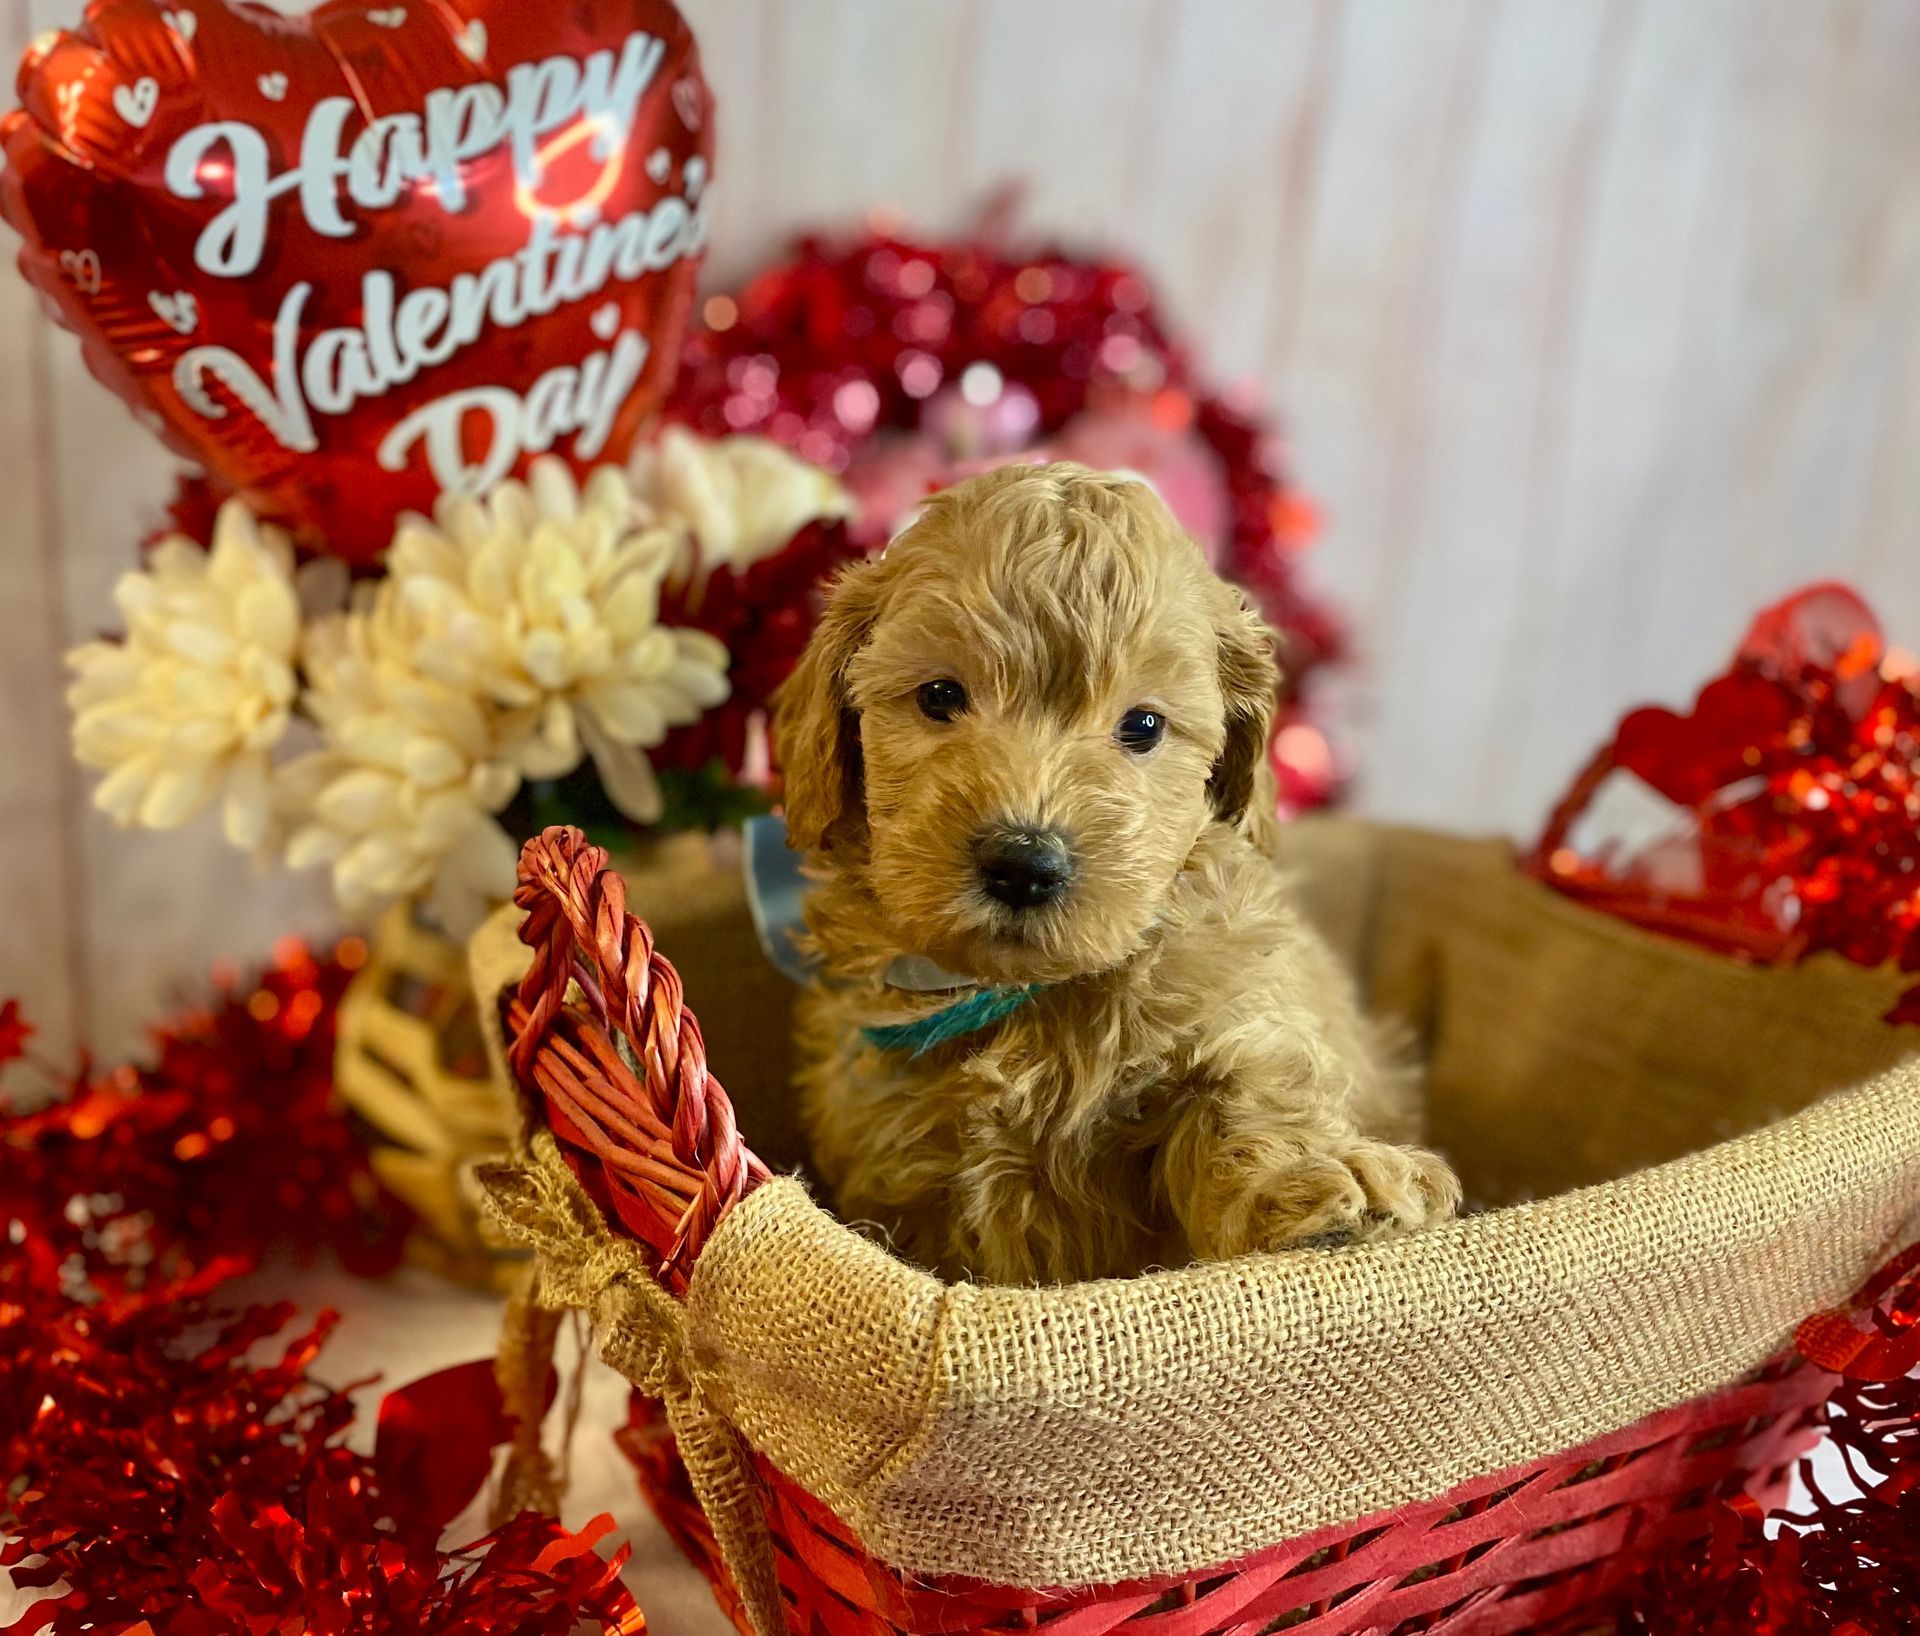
1792 801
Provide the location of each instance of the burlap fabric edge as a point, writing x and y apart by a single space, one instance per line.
1177 1422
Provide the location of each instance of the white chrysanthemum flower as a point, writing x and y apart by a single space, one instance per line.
743 497
542 604
190 705
400 801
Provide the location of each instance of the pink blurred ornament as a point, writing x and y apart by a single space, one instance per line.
887 479
984 417
967 433
1128 436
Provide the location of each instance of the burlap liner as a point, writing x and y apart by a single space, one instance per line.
1177 1422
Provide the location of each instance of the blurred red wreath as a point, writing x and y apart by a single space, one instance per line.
901 363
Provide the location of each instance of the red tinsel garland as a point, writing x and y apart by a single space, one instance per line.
156 1471
172 1485
1842 1567
148 1184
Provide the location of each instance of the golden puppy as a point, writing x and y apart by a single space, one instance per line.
1067 1024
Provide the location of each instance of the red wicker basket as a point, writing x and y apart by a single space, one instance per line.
614 1065
1534 1550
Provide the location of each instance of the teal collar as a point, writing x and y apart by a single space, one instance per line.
967 1015
776 889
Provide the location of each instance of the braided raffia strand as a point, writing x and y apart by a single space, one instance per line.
617 1061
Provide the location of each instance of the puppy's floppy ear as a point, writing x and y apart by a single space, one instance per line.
1249 683
816 734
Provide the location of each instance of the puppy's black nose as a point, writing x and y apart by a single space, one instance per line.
1023 868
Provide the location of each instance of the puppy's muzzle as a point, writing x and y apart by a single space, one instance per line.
1024 868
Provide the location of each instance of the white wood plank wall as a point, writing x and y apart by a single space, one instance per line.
1597 323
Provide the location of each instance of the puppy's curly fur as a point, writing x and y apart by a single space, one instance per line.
1195 1078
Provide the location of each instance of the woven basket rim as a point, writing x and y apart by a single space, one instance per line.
960 1383
1557 1215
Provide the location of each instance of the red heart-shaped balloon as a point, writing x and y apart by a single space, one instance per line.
351 260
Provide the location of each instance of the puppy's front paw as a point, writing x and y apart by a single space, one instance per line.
1312 1204
1366 1191
1406 1187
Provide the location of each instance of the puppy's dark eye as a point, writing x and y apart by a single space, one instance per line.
1140 730
941 700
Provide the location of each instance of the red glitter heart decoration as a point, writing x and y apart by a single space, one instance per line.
351 260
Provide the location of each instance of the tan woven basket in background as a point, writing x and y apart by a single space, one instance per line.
410 1061
1469 1428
